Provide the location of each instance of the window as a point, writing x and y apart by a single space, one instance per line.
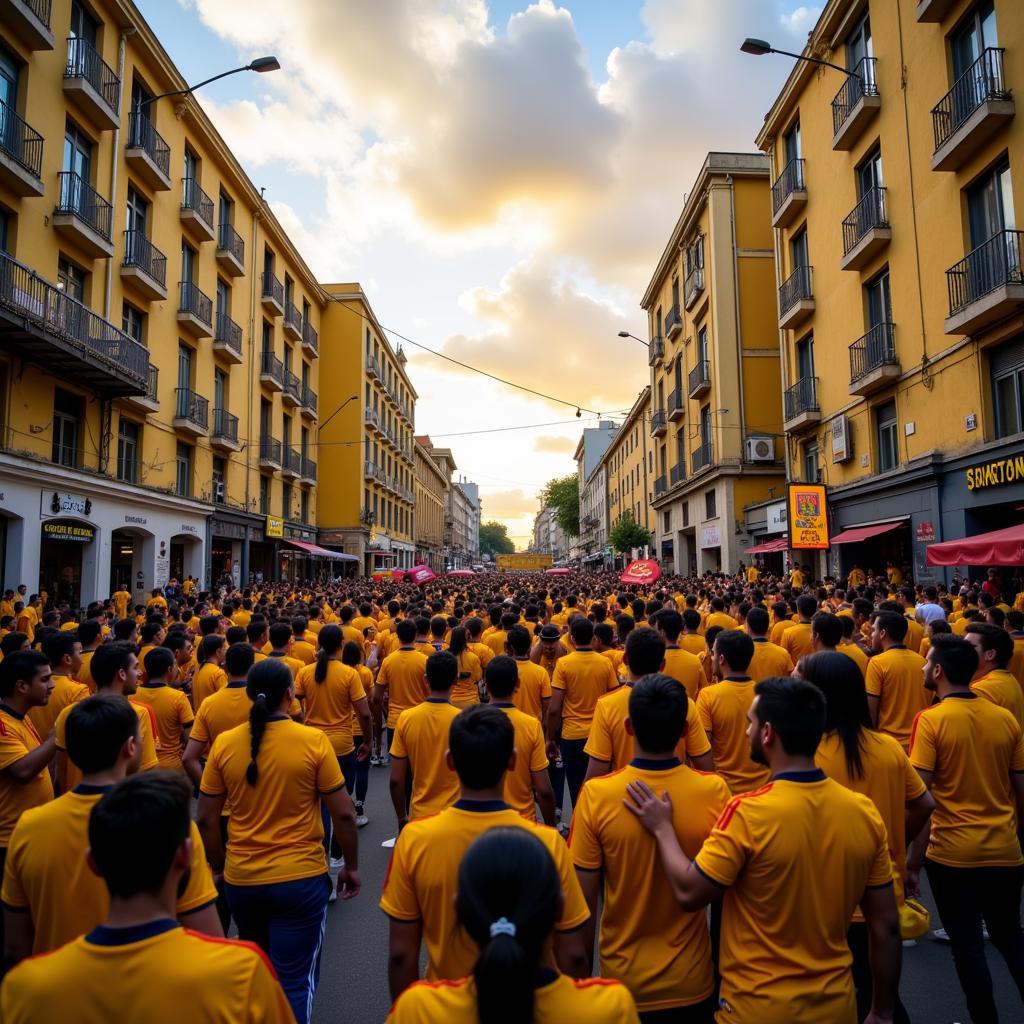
83 24
972 37
304 506
810 462
138 212
859 46
67 418
675 292
266 418
71 279
798 251
77 160
686 513
127 451
702 345
1007 367
286 501
190 167
805 357
183 470
268 337
710 504
184 367
289 289
879 300
220 474
869 172
223 298
225 210
705 425
990 205
666 521
264 495
888 439
791 143
133 322
188 264
268 262
220 389
6 223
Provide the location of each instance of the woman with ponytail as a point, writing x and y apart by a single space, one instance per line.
508 901
270 776
466 691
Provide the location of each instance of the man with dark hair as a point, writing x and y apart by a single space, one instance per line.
793 860
172 712
662 955
827 635
419 894
769 659
403 677
797 640
49 895
895 679
680 664
90 636
533 694
142 842
970 754
64 651
992 680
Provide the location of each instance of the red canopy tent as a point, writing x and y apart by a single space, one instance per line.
558 572
779 544
855 534
421 574
1000 547
643 570
461 573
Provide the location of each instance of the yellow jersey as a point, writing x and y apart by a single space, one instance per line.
464 691
65 692
896 678
1001 687
422 879
795 856
530 757
534 688
693 642
769 660
722 619
853 652
208 679
403 674
275 833
797 642
148 972
583 676
173 715
482 651
661 953
84 675
226 709
685 668
421 736
18 737
329 705
723 713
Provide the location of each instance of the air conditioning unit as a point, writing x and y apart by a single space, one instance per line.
218 491
760 449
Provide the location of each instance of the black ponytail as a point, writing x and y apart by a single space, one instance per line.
331 638
507 901
459 641
266 684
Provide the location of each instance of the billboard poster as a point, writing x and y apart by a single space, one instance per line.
808 517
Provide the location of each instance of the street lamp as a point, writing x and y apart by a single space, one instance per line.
626 334
758 48
352 398
260 65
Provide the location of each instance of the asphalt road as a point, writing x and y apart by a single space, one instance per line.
353 975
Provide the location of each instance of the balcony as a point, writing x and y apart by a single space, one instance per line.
373 366
21 154
225 431
855 104
271 371
309 401
658 424
655 350
986 285
368 469
933 10
272 294
270 453
195 310
196 210
380 476
91 83
866 230
310 340
873 362
371 418
292 321
191 412
677 474
673 322
149 401
698 383
800 405
292 391
789 194
29 21
308 472
692 287
660 485
42 324
230 250
978 106
144 266
702 457
147 154
227 339
676 405
796 299
83 215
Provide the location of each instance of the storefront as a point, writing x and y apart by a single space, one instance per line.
767 524
232 538
295 562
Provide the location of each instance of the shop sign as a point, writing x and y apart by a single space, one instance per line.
925 531
776 518
189 528
995 473
60 529
56 503
135 520
808 517
275 526
231 531
712 537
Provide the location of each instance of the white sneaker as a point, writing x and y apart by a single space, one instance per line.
374 759
336 864
361 818
333 898
385 759
389 843
941 935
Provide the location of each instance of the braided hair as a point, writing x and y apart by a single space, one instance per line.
266 685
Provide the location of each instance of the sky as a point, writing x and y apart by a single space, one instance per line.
500 177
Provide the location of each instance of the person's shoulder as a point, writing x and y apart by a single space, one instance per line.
600 994
884 744
598 787
421 995
210 947
743 804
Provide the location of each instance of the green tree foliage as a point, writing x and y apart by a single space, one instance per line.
494 539
627 534
563 495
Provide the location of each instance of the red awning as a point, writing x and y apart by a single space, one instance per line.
1000 547
858 533
319 552
779 544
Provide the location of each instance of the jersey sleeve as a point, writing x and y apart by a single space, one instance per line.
881 873
545 686
60 728
200 891
1017 758
704 702
12 747
611 678
726 851
212 783
538 755
185 714
200 732
696 735
328 772
913 786
599 742
399 899
922 743
398 747
355 687
584 845
575 910
873 679
12 892
558 681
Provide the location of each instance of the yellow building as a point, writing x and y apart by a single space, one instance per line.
901 293
367 468
714 356
626 462
158 369
431 509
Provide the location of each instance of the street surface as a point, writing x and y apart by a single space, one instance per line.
353 975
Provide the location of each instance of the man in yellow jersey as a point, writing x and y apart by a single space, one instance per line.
280 641
797 640
894 681
680 664
533 694
419 892
65 653
421 781
662 955
171 709
580 679
769 659
301 647
855 577
474 627
527 785
970 754
827 635
610 745
402 678
723 708
90 636
140 843
49 894
993 679
692 637
792 861
753 574
796 578
718 616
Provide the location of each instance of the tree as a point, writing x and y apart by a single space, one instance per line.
627 534
563 495
494 539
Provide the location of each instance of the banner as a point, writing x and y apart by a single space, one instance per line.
275 526
644 570
61 529
808 518
420 574
530 562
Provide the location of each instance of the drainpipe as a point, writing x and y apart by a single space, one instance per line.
783 348
253 369
736 301
108 283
